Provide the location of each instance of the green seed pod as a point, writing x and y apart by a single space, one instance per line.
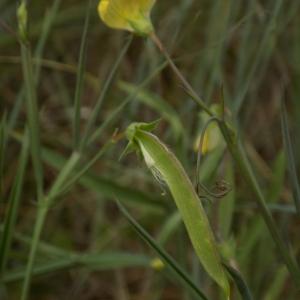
162 161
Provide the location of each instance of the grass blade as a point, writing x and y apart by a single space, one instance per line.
3 142
96 134
169 261
290 157
156 103
240 283
80 80
94 262
14 202
32 105
105 187
107 84
259 55
38 53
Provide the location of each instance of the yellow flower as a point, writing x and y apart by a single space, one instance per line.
212 136
131 15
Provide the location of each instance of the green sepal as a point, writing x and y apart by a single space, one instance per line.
131 147
130 134
132 129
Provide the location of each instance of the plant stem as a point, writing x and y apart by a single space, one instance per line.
177 72
238 154
33 120
41 217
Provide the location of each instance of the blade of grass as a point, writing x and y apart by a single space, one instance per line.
156 103
245 47
80 79
240 283
84 169
14 202
106 86
290 157
38 53
169 227
96 134
259 55
95 262
277 179
277 285
238 154
3 143
168 260
243 164
31 101
105 187
43 207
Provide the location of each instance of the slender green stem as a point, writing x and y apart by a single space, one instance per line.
41 217
43 208
237 152
80 80
64 174
13 206
185 83
242 162
85 169
100 100
33 119
3 145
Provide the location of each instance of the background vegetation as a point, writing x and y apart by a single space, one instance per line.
88 249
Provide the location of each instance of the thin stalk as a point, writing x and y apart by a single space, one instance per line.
43 208
237 153
177 72
100 100
14 203
33 119
37 61
80 80
85 168
39 224
3 145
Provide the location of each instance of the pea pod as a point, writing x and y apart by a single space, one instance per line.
163 163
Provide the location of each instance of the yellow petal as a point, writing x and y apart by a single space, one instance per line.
131 15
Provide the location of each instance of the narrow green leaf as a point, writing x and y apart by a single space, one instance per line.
290 157
14 202
108 82
170 226
262 53
38 53
157 103
277 285
106 187
3 142
239 282
277 182
80 79
94 262
168 260
31 101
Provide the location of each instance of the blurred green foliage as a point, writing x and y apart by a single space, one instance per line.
88 250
